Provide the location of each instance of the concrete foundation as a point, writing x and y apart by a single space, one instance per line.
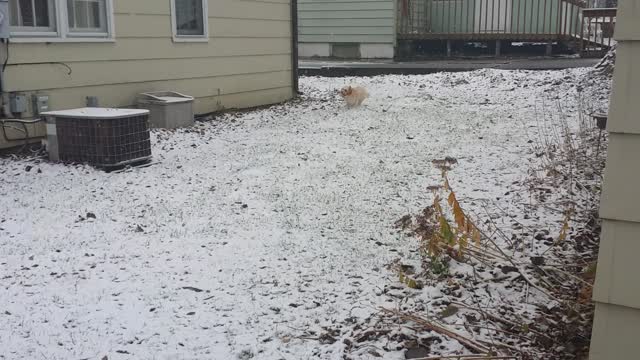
376 51
346 50
314 50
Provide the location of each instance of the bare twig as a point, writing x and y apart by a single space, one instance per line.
501 345
495 329
582 281
466 357
520 271
500 319
471 344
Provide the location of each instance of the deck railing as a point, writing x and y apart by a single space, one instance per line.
515 20
597 30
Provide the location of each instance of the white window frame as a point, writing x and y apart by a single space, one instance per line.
91 33
24 30
63 33
191 38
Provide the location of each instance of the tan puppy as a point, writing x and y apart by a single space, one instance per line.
354 95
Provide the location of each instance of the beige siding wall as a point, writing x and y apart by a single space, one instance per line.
616 329
247 61
615 333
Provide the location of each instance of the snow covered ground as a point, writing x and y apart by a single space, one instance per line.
250 234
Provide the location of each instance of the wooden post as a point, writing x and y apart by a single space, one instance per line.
498 44
549 48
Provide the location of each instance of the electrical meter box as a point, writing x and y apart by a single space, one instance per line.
40 104
4 19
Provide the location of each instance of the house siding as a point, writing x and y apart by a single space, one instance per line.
617 290
360 22
246 62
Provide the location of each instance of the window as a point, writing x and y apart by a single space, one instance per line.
61 20
190 20
87 16
35 16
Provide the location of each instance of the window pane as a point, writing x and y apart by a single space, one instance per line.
32 15
81 14
94 15
42 13
14 10
87 15
26 13
189 17
71 15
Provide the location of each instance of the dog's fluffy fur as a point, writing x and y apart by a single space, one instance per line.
354 95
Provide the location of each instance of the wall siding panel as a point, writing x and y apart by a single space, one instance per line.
246 62
353 21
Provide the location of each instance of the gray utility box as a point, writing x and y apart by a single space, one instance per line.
167 109
4 19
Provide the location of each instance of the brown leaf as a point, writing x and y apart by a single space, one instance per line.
476 236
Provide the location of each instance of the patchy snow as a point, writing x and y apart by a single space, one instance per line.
607 64
251 235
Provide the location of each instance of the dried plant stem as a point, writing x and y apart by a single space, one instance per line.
583 282
467 357
499 319
513 263
501 345
471 344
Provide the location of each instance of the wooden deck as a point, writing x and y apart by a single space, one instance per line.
486 37
588 29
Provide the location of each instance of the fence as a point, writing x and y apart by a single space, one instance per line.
597 30
515 20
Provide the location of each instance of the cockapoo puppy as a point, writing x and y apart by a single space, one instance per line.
354 95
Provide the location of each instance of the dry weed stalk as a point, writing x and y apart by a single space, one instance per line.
571 165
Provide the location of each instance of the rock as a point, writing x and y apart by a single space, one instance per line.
195 289
326 339
417 353
91 215
537 260
508 269
448 311
374 353
246 355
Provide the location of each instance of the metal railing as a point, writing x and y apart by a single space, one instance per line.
515 20
597 30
